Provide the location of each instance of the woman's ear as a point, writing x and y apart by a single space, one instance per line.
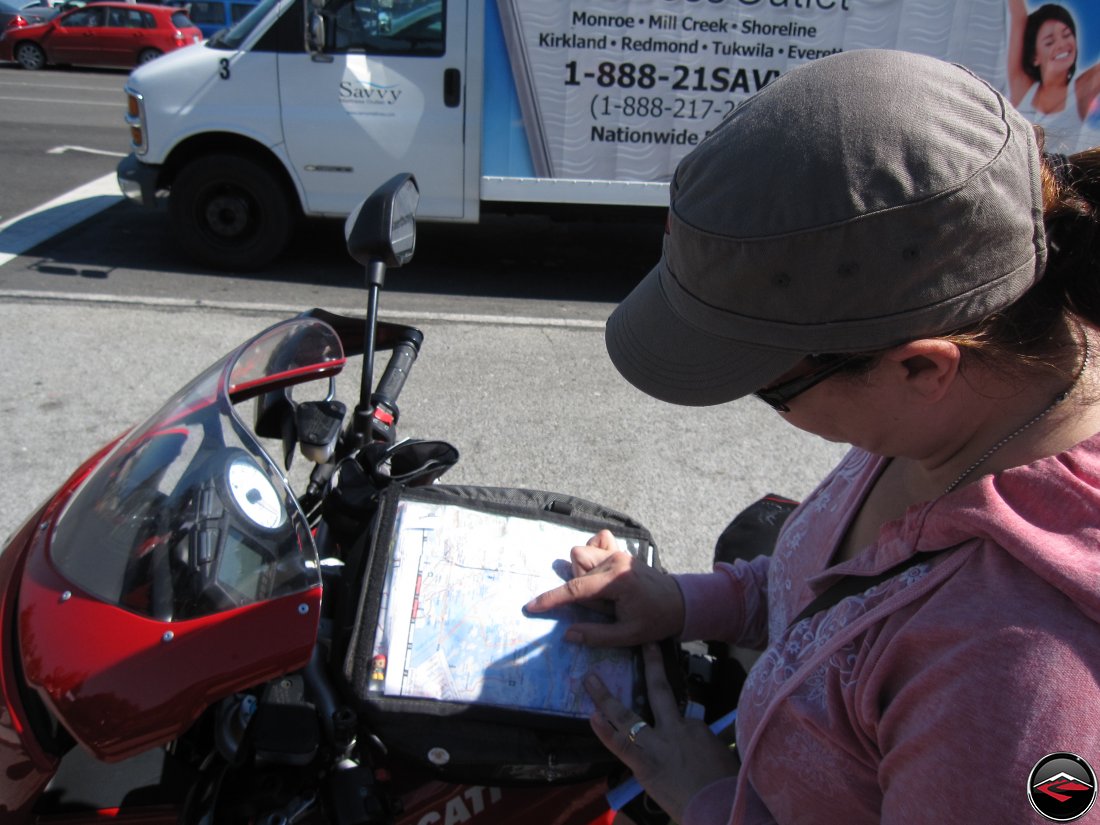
927 366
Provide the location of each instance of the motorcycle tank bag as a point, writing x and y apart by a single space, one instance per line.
446 667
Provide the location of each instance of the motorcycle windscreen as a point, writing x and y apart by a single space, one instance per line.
185 533
189 516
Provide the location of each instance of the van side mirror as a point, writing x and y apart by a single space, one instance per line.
315 37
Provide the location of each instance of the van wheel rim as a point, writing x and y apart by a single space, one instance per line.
228 216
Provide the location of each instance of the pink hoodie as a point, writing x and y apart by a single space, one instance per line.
930 697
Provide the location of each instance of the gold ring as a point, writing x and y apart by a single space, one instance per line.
635 729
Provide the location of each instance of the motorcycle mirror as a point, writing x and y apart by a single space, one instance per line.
382 229
380 233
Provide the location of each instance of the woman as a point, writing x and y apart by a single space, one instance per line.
1042 66
876 246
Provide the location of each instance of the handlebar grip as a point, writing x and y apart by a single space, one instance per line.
397 371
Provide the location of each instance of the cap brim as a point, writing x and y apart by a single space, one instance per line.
664 356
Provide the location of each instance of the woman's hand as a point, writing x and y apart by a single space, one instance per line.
646 603
674 758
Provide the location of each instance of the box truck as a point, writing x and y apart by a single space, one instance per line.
305 106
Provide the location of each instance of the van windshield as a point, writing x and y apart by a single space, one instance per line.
235 35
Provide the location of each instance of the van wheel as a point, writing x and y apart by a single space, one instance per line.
30 56
146 55
230 212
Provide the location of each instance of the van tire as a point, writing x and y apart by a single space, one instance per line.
231 212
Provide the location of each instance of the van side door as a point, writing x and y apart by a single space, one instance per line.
385 96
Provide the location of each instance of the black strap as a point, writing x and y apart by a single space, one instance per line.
851 585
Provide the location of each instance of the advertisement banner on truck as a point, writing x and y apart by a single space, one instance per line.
622 89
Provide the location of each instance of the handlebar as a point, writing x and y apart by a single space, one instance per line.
380 421
376 418
397 370
383 401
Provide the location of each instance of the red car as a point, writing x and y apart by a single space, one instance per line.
101 34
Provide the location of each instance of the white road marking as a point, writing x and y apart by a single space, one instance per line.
51 101
66 86
25 231
60 150
288 311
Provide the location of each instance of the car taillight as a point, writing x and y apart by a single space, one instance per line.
177 35
17 22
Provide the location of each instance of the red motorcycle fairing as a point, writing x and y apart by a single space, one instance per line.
123 685
25 763
25 767
169 572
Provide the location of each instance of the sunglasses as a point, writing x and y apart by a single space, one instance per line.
778 396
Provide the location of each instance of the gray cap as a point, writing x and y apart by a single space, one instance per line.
855 203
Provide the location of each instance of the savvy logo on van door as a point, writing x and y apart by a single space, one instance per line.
368 93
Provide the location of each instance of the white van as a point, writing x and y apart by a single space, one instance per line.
305 106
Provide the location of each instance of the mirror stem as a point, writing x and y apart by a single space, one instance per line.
376 276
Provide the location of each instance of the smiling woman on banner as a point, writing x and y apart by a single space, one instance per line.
1043 81
877 246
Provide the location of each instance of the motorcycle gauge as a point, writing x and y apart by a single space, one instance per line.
254 494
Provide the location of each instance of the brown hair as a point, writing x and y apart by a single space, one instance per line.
1029 333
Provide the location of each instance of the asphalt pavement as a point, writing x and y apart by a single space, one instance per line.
527 403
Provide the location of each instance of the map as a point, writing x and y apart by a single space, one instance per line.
452 624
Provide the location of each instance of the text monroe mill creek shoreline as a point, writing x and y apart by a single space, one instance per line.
687 93
701 28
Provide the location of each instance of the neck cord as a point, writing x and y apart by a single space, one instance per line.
1058 399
